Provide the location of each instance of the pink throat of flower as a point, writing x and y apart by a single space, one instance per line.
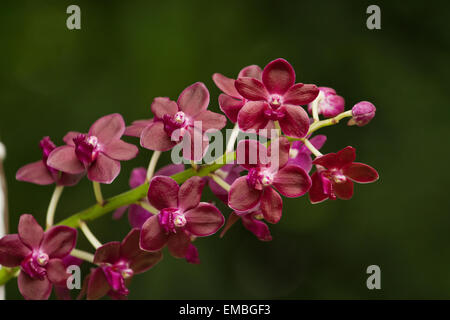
258 179
176 122
272 112
87 148
171 219
34 264
116 275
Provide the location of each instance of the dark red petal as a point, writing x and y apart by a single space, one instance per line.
226 85
178 244
241 197
104 169
194 99
35 172
230 106
251 154
360 172
346 156
292 181
251 89
280 155
12 250
108 253
190 193
278 76
204 220
163 192
252 71
59 241
153 237
252 116
67 179
257 227
108 128
34 288
30 232
154 137
329 160
211 120
316 193
121 150
98 286
344 190
271 205
301 94
64 159
295 122
56 272
161 106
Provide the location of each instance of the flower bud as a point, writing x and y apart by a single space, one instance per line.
362 112
328 103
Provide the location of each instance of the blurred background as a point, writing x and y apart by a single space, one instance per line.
53 80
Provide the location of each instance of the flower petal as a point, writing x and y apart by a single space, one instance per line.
68 138
59 241
302 160
257 227
271 205
226 85
252 71
34 288
211 120
241 197
251 154
98 286
108 253
316 192
230 106
56 272
163 192
278 76
329 160
204 220
251 89
301 94
136 128
252 116
154 137
104 169
153 237
64 159
35 172
30 232
67 179
192 255
344 190
137 216
108 128
137 177
12 250
170 170
194 99
292 181
295 122
162 105
317 141
190 193
281 154
360 172
121 150
178 244
346 155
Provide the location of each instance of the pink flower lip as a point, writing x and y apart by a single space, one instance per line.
87 148
171 219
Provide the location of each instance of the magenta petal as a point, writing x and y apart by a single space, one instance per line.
98 286
12 251
204 220
170 170
64 159
163 192
161 106
120 150
344 190
153 237
360 172
303 160
226 85
108 253
136 128
241 197
68 138
252 116
211 120
292 181
137 216
178 244
192 255
295 123
194 99
282 154
190 193
154 137
278 76
56 272
301 94
104 169
317 141
67 179
35 172
108 128
251 89
34 288
251 154
271 205
119 212
59 241
252 71
30 232
230 106
316 192
258 228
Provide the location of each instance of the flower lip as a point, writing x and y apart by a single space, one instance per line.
42 259
34 264
172 123
87 148
170 219
275 100
258 179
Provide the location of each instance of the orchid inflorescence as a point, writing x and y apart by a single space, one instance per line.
165 207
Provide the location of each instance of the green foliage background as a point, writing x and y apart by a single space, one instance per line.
53 80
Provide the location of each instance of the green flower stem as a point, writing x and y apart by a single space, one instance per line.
220 182
83 255
98 192
52 206
329 122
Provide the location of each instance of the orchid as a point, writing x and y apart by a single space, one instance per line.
329 104
300 155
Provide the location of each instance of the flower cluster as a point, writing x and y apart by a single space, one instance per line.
165 207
